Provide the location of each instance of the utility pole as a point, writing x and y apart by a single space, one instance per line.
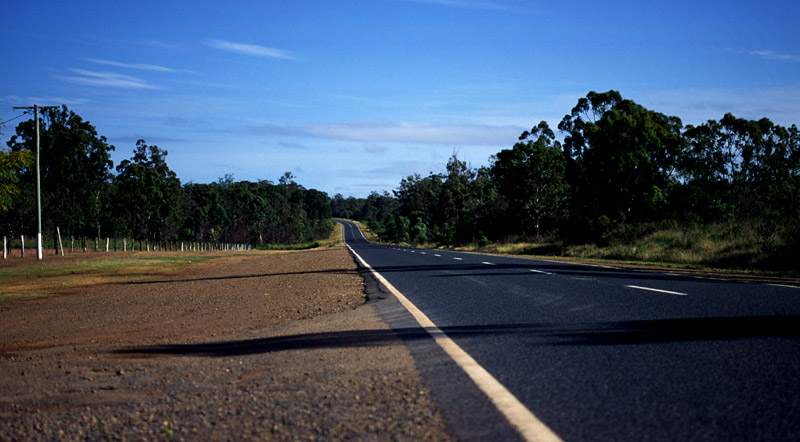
36 108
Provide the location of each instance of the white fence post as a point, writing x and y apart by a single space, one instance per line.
60 245
5 248
22 244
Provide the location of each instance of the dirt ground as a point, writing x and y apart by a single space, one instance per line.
265 347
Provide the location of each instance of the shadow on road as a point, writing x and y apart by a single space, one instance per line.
599 333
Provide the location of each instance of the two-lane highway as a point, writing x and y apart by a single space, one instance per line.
600 353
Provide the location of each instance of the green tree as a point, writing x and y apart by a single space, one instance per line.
418 197
532 178
742 169
626 159
148 194
12 164
75 164
420 231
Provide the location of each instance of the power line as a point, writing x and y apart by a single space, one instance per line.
17 117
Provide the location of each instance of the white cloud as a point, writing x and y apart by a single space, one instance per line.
145 67
373 134
291 145
420 133
249 49
107 79
772 55
374 148
696 106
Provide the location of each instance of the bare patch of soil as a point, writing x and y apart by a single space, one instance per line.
262 346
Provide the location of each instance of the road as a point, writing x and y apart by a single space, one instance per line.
599 353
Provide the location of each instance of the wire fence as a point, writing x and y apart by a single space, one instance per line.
23 246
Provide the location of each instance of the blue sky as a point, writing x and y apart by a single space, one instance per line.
352 96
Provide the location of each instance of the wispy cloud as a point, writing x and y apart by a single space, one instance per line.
374 148
423 133
408 133
473 4
772 55
140 66
289 145
250 49
696 106
107 79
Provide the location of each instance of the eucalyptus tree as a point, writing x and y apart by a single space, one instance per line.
531 177
626 159
148 194
75 166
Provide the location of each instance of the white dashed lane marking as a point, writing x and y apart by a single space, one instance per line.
655 290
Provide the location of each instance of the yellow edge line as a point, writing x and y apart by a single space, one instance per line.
522 419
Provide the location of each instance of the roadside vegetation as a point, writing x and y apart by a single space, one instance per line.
85 196
26 279
624 182
618 181
729 246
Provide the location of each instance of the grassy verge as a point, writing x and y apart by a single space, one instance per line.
737 248
29 278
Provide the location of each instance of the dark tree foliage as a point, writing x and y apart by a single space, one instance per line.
532 178
620 166
255 213
458 206
146 193
625 161
75 173
145 199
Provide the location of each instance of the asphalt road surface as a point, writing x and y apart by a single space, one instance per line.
599 353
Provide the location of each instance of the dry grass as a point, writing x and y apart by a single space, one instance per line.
30 278
732 247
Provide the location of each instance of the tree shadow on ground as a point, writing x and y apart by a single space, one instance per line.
596 333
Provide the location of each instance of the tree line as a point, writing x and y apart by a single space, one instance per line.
144 199
618 167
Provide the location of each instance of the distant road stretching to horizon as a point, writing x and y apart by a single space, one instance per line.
599 353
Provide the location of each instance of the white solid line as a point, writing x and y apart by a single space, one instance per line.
525 422
655 290
785 286
601 266
539 271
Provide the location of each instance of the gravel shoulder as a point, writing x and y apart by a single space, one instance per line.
278 346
